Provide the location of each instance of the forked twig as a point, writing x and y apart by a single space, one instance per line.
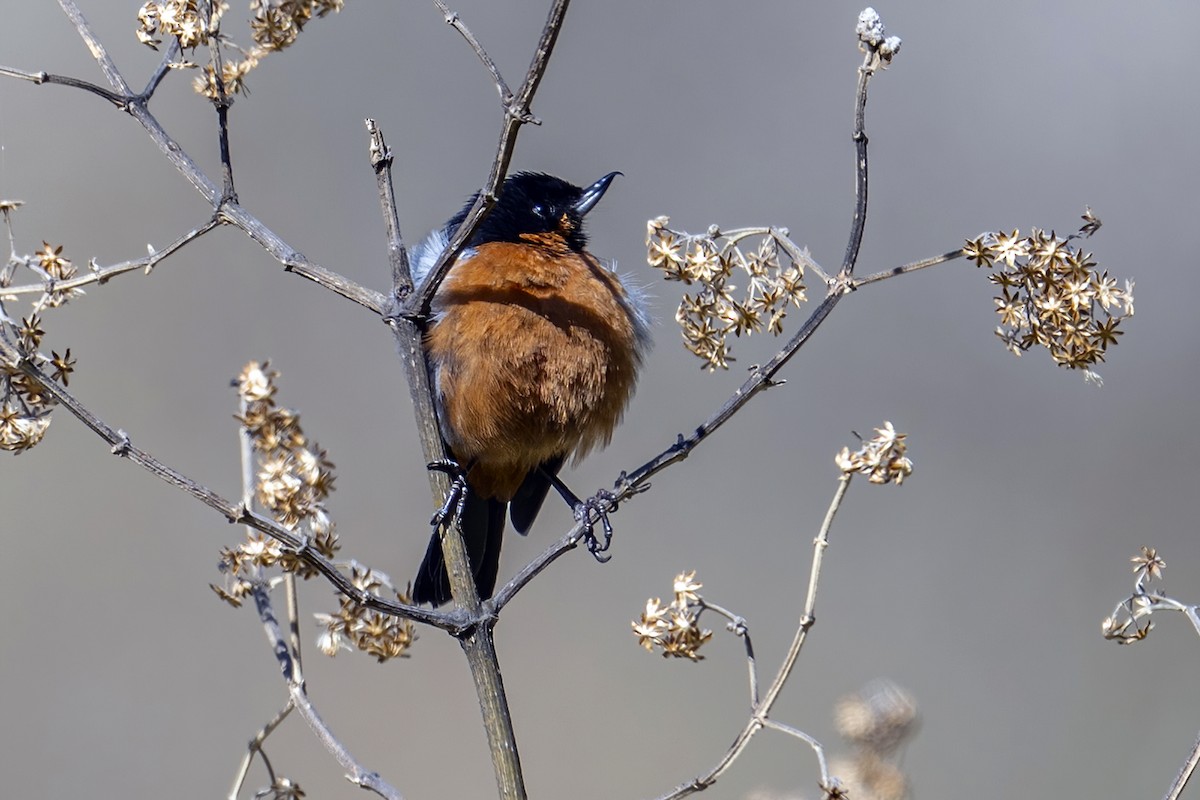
516 114
760 712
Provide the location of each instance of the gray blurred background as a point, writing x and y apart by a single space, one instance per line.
979 585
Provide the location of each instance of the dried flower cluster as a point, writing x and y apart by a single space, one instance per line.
1130 621
295 476
881 458
876 720
277 23
178 19
293 480
774 274
873 39
376 634
675 628
1052 295
25 404
49 266
274 26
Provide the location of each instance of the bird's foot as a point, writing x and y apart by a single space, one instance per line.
456 498
589 512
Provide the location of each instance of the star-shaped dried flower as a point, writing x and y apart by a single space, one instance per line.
1148 564
63 365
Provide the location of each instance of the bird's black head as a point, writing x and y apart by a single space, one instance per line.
533 203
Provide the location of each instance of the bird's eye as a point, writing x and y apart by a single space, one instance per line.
539 210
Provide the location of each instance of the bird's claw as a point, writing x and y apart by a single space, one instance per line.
599 504
456 498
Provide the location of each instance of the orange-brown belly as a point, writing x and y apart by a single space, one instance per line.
534 356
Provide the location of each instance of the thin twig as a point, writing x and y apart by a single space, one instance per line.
761 711
859 224
813 743
117 100
136 106
293 611
104 274
246 453
569 541
381 162
1185 774
516 114
1150 602
255 748
357 773
453 20
932 261
107 65
222 103
635 482
161 71
739 628
300 264
808 617
246 459
799 255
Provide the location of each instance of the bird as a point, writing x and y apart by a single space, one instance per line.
533 346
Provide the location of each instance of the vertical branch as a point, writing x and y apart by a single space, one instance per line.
408 333
222 103
759 716
477 642
356 772
381 162
807 617
859 224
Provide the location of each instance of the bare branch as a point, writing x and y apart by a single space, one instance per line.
479 646
300 264
222 201
45 77
160 72
932 261
104 274
761 710
568 542
381 162
516 114
817 749
860 173
737 625
1185 774
233 512
453 20
255 748
222 103
637 481
357 773
107 65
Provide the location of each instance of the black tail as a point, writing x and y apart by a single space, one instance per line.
483 530
527 502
